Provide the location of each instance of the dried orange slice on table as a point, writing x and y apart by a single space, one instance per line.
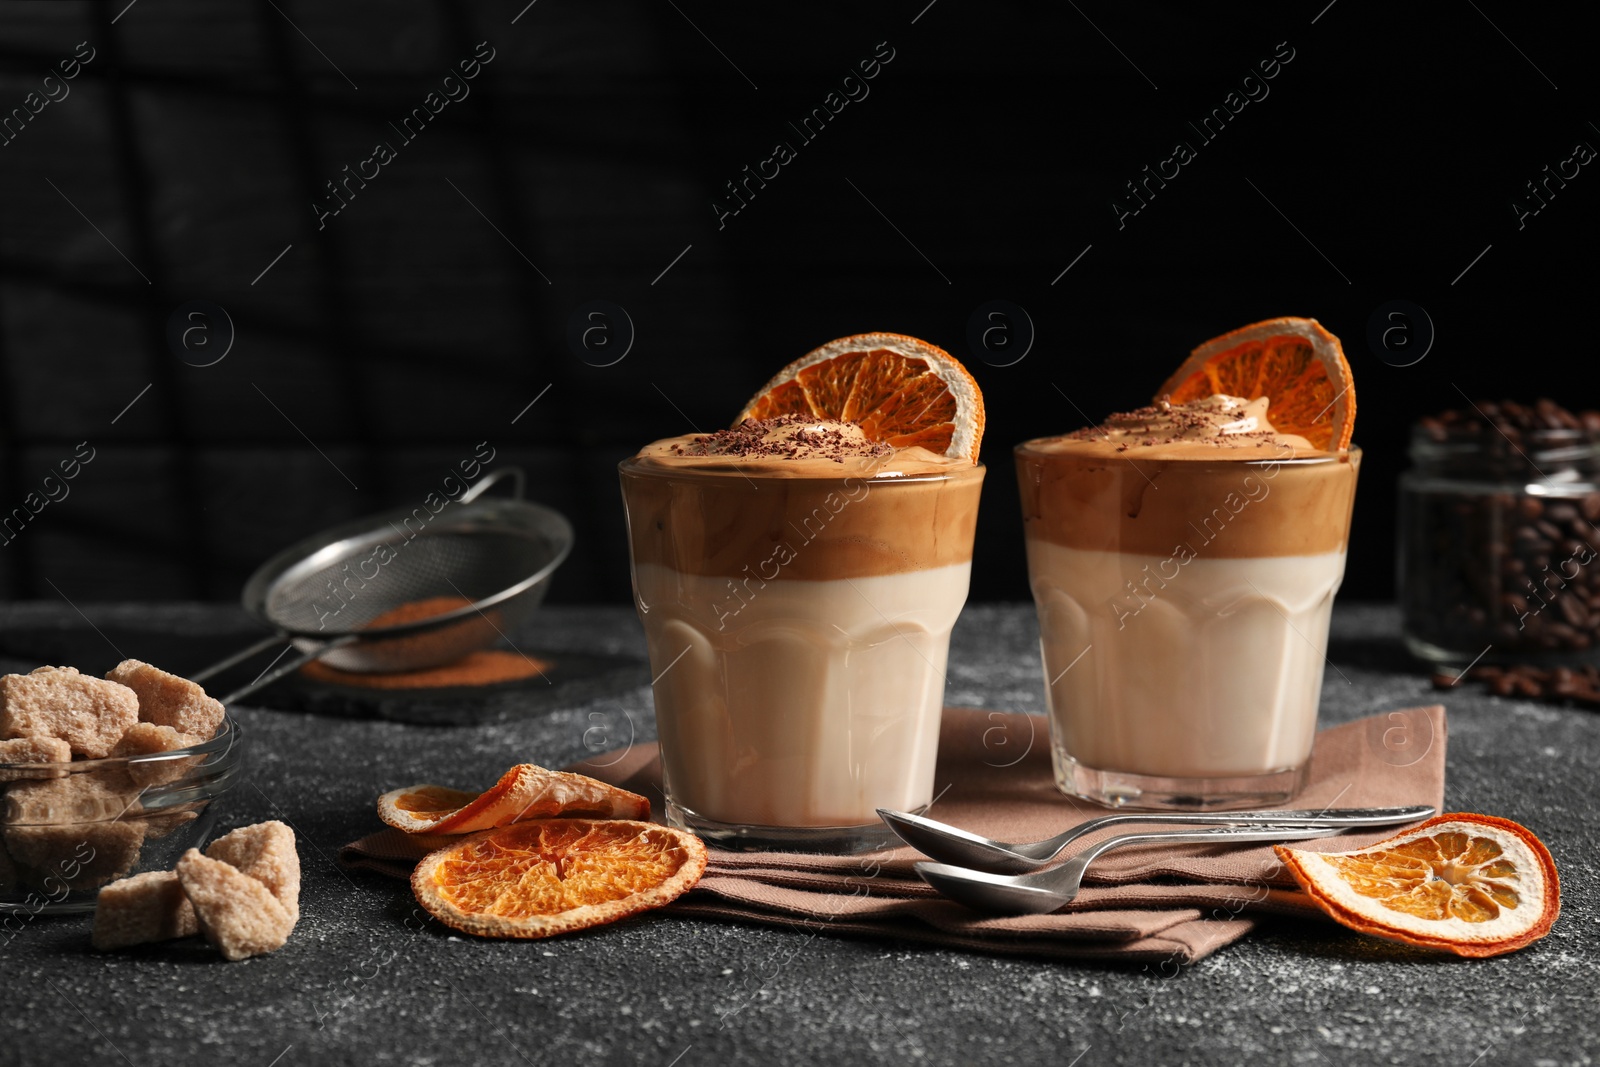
897 389
1296 364
1470 884
526 791
543 877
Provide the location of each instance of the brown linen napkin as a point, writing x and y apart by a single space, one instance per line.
1129 909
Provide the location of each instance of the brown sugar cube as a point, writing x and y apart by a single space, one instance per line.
147 738
87 796
90 714
78 855
266 853
237 914
83 830
147 907
33 750
167 700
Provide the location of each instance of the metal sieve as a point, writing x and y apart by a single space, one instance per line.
322 594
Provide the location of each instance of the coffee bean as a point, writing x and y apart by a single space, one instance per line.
1563 634
1567 685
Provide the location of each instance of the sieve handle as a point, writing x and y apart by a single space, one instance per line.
239 657
278 669
514 473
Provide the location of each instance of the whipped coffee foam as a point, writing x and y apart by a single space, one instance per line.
796 446
1208 428
1171 475
786 437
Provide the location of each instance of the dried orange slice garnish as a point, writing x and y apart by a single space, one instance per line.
897 389
1470 884
1296 364
526 791
544 877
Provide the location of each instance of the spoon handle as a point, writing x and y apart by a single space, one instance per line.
1342 817
1210 836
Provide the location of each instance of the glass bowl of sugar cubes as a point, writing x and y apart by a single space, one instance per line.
102 778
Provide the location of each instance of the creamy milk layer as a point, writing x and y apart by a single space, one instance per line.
1207 668
1184 560
799 703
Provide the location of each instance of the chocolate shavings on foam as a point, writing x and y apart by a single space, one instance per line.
813 439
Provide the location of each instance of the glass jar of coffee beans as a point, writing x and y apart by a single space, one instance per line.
1498 536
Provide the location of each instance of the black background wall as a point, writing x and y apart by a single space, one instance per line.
374 347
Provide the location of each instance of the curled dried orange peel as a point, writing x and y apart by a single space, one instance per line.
1474 885
1296 364
542 877
540 853
896 388
526 791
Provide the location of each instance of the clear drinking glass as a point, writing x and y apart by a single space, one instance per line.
1183 618
798 630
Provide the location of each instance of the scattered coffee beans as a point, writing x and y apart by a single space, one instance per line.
1566 685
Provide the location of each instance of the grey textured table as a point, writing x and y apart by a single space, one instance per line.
356 984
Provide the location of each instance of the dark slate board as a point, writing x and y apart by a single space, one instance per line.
359 984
